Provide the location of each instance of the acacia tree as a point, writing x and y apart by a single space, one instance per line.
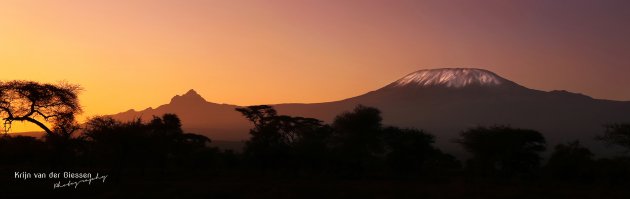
503 149
278 141
40 104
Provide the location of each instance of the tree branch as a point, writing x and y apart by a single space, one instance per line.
8 111
41 125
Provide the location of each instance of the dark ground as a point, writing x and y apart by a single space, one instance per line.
209 185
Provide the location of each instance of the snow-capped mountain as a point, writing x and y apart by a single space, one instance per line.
452 78
442 101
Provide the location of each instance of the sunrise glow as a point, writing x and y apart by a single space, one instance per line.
137 54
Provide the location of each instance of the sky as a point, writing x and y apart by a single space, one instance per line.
140 53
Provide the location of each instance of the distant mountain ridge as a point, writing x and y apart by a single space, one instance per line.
218 121
442 101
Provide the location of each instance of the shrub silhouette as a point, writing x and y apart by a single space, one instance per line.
615 170
570 161
118 144
502 150
22 150
135 144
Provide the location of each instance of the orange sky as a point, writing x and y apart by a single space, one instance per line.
139 53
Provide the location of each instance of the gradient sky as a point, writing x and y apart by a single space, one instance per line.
139 53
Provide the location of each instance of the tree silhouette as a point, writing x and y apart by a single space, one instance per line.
267 147
357 138
279 141
615 169
165 134
118 144
134 143
410 152
617 134
407 148
502 149
312 144
570 161
39 104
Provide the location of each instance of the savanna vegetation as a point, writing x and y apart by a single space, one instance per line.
294 157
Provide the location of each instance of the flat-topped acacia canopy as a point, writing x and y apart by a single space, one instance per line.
40 103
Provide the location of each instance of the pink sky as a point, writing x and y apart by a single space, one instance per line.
139 53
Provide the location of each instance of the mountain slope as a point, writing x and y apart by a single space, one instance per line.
217 121
442 101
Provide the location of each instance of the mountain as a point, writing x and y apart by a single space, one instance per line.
217 121
452 78
441 101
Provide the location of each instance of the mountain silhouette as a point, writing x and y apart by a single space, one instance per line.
191 97
442 101
217 121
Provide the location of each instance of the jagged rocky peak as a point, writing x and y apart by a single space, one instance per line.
189 97
452 78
